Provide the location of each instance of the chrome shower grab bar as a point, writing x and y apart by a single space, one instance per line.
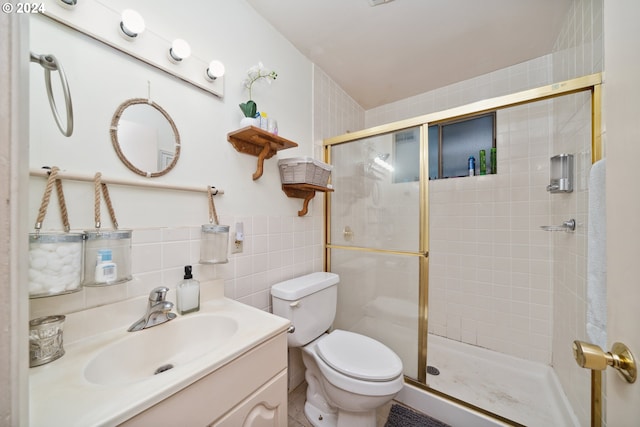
50 63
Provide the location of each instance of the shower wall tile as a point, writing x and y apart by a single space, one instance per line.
335 112
490 265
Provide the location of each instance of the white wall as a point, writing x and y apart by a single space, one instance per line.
166 224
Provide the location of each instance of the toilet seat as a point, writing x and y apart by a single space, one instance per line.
359 356
348 381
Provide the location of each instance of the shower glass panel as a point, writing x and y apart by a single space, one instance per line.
378 297
374 239
494 274
369 208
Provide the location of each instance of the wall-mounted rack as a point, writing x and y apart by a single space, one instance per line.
303 191
44 173
257 142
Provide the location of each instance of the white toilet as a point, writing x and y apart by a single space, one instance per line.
348 375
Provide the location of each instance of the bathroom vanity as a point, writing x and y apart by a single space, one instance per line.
225 365
245 392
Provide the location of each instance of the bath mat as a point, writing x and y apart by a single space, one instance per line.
401 416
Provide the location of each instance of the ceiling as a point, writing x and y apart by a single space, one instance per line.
402 48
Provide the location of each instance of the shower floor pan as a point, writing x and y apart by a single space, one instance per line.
526 392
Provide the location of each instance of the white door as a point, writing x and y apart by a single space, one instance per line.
621 100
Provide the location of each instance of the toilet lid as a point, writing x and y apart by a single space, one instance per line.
359 356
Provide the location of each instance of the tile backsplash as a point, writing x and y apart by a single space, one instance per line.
276 248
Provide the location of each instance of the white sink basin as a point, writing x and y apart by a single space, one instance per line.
157 350
107 374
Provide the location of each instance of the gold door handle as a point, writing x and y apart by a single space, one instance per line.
590 356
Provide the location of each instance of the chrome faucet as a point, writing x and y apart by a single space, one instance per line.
158 310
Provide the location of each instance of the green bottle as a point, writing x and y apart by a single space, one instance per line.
494 161
483 162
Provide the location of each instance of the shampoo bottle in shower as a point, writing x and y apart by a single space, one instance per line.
188 293
471 166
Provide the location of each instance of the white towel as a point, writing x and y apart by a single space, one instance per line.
597 257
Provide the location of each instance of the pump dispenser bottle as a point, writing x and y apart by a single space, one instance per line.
188 293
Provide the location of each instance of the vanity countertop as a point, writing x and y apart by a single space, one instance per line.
60 394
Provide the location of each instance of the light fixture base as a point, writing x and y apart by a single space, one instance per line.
68 4
373 3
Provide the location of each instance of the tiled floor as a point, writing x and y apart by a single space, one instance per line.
296 409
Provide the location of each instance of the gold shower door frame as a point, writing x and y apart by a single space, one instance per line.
590 83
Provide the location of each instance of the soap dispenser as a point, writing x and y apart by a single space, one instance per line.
188 293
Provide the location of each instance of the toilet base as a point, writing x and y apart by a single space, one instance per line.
319 418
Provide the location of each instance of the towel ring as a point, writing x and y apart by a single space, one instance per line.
50 63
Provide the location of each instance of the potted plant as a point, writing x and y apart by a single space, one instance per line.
254 74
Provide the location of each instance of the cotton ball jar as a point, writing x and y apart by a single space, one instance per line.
55 263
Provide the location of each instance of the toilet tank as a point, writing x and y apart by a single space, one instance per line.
309 302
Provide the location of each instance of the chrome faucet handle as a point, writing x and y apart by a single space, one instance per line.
158 310
162 307
158 294
159 313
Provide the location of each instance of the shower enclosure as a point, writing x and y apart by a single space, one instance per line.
457 274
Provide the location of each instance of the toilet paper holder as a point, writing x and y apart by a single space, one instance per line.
591 356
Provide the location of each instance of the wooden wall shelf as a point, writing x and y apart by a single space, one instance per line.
258 142
303 191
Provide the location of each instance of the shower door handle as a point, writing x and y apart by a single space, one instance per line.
347 233
590 356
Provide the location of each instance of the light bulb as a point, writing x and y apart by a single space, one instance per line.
68 4
132 24
179 50
215 70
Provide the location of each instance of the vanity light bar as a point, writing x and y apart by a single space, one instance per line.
98 21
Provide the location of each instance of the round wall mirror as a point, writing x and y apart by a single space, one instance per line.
145 138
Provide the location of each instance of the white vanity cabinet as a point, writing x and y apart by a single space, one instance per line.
251 390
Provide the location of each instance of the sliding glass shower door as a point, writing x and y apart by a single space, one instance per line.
374 239
471 248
